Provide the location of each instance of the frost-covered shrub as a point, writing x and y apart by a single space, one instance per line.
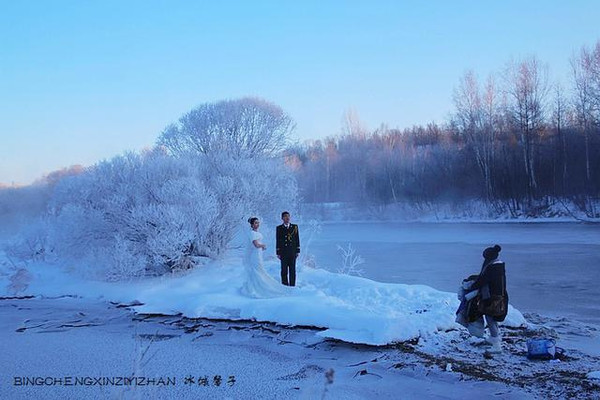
131 214
350 261
173 206
151 213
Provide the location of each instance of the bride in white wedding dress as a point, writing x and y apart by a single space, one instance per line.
258 283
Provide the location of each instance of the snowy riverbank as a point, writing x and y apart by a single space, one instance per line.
468 211
352 309
74 337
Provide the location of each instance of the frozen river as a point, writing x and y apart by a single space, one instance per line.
552 268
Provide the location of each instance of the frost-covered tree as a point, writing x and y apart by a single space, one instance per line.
246 127
476 120
162 209
527 89
140 214
586 79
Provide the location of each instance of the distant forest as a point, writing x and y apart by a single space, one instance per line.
515 141
516 145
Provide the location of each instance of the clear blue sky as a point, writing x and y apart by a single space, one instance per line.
81 81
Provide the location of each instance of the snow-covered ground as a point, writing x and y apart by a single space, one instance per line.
77 337
378 335
352 309
74 337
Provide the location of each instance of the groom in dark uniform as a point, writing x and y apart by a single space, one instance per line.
288 248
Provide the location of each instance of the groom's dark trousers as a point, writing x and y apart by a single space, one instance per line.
288 267
288 246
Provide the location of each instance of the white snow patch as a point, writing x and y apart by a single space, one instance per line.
353 309
593 375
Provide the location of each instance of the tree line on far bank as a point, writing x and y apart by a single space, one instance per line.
515 141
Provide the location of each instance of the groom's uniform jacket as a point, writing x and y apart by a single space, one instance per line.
287 240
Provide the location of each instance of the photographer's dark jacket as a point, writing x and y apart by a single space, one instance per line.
493 275
493 298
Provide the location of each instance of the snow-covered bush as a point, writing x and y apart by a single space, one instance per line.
137 214
131 214
31 242
166 208
350 261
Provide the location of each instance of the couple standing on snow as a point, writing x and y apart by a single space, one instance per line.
482 296
258 283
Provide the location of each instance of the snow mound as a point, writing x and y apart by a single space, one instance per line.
593 375
352 309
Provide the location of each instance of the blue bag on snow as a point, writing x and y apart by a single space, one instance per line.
541 349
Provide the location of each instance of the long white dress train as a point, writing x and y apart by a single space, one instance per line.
258 283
